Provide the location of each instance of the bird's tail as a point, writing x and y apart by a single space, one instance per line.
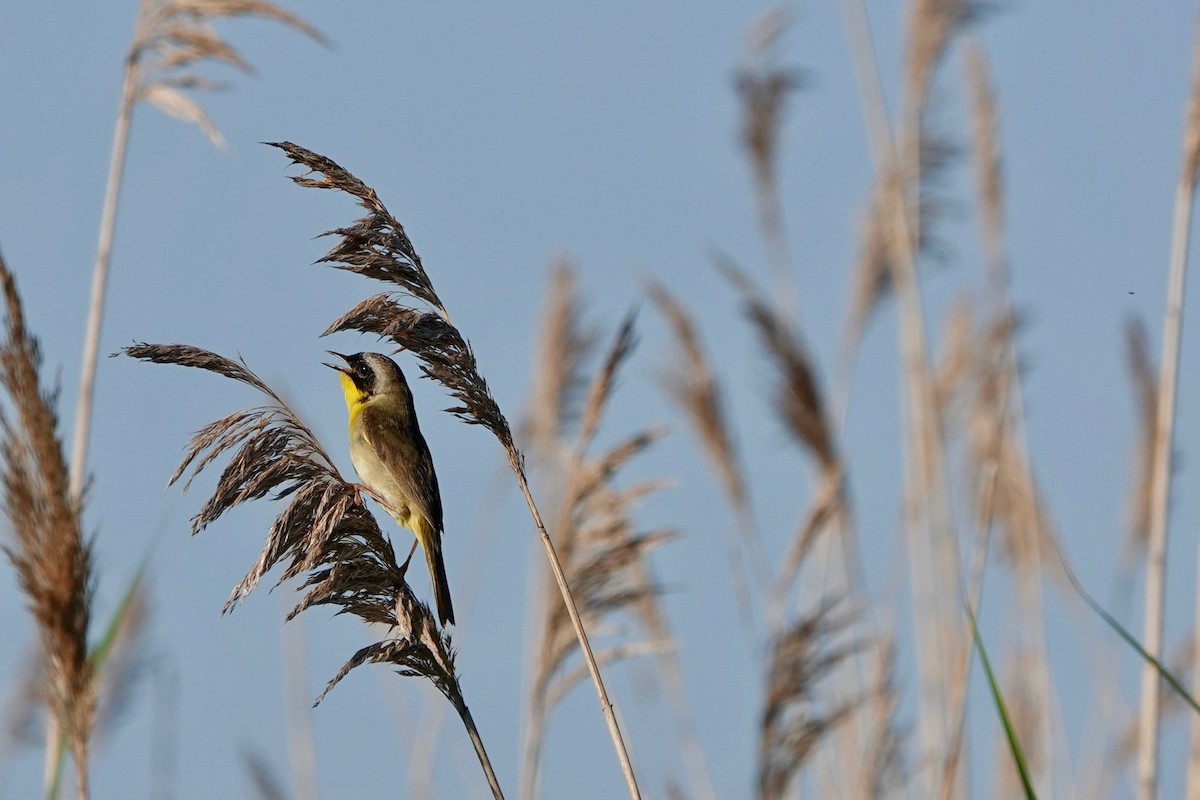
431 543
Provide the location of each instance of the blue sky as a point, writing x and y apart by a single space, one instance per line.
504 138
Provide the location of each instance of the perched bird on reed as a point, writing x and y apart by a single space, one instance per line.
392 460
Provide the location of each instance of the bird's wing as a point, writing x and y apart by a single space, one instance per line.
408 461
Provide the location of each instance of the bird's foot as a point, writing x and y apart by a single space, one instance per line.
404 566
361 488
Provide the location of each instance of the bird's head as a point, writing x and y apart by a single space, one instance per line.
370 375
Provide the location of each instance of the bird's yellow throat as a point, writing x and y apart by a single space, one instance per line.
355 397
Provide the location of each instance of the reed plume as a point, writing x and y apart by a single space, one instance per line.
324 534
51 557
796 715
603 553
763 88
377 246
691 384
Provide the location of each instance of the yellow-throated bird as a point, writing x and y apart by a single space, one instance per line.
391 457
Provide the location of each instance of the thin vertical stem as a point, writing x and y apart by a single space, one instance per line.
1164 427
480 752
1160 488
108 224
585 647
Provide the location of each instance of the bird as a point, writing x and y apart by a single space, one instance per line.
392 459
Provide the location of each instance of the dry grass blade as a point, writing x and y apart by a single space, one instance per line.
52 560
794 721
325 532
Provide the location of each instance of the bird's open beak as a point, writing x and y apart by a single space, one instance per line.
343 369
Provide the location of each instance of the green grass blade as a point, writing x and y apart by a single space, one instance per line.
1129 638
102 648
1132 641
1014 745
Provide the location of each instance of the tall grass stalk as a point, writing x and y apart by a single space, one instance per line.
1160 480
898 162
170 39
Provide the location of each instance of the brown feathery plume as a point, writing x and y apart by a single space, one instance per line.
691 384
377 246
325 532
763 89
171 39
52 560
794 719
801 406
1145 392
875 264
562 348
603 553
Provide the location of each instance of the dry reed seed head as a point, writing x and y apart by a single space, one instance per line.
444 355
602 385
1144 378
763 88
375 246
47 549
931 24
602 552
798 398
872 270
378 247
563 347
422 651
794 719
174 37
324 533
690 382
1003 476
